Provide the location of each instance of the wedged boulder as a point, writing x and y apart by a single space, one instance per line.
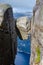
23 25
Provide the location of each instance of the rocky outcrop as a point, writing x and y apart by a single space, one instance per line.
37 35
23 25
8 38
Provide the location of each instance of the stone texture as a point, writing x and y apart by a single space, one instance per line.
23 25
8 38
37 34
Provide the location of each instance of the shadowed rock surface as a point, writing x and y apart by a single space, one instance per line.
8 37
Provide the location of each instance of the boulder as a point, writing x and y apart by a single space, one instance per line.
23 25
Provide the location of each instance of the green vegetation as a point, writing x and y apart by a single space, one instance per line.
37 60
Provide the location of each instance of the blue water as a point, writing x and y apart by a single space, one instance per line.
24 45
22 59
23 55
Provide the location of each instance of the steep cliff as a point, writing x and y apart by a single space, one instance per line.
37 35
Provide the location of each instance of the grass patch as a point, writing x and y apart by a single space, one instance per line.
37 60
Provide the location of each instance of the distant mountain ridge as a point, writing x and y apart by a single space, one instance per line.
17 15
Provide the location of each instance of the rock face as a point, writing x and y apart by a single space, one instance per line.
37 35
23 25
8 42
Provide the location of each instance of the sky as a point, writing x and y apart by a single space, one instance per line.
20 5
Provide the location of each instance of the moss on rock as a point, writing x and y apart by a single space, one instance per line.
37 60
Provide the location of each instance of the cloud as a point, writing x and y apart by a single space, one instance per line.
20 3
21 10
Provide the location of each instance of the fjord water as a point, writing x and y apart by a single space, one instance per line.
23 55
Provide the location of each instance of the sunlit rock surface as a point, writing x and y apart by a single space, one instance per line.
37 35
23 25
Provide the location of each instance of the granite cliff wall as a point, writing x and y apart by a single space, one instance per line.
37 35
